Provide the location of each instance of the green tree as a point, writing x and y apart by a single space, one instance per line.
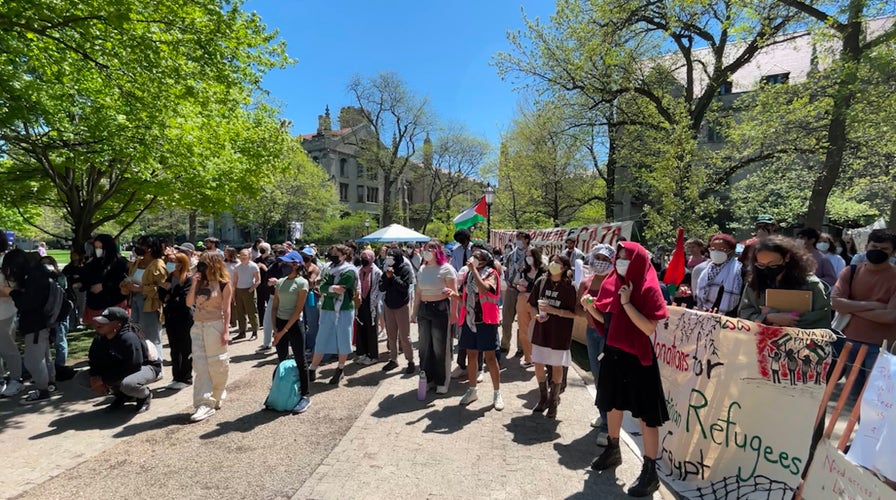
111 107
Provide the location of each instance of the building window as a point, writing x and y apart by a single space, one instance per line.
372 174
342 169
777 79
360 171
360 194
726 88
343 191
315 159
714 135
373 194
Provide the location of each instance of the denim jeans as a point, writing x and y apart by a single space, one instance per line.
595 348
60 343
312 324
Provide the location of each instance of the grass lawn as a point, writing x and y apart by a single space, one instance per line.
78 345
62 256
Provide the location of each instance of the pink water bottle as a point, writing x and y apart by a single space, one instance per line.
421 386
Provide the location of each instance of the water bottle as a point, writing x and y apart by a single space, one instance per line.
421 386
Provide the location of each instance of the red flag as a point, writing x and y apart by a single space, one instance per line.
675 272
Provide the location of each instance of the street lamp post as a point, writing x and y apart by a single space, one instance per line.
489 193
366 227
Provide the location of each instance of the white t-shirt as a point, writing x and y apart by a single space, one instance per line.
244 274
7 306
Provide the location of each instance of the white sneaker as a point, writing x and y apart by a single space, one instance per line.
498 401
367 361
442 389
596 422
362 359
13 388
202 413
602 439
480 377
469 397
2 385
458 372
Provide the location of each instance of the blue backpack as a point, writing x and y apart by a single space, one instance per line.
284 394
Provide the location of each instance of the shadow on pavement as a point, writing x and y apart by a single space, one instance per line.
598 485
157 423
533 429
92 420
578 454
450 419
246 423
405 402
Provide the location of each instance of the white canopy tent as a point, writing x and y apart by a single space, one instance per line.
394 233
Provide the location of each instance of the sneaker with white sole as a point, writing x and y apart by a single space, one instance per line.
498 403
469 396
362 359
302 405
36 396
602 439
442 389
596 422
480 377
13 388
369 361
202 413
458 372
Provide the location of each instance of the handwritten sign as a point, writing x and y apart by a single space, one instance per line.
741 398
552 241
833 475
874 445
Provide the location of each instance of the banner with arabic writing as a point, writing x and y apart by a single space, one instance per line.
742 398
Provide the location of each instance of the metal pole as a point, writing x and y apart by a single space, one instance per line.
488 224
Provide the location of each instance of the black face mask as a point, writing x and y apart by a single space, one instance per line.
365 262
202 267
768 277
139 251
334 259
876 256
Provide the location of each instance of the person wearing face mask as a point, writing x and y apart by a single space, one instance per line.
459 257
337 313
178 318
600 264
867 292
720 286
367 345
631 304
436 284
810 238
210 298
553 299
514 264
479 317
396 283
531 272
60 340
783 263
145 275
9 351
311 313
103 275
290 295
832 248
73 272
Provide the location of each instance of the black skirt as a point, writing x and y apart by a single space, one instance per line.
625 384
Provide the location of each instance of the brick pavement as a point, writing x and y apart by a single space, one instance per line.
404 448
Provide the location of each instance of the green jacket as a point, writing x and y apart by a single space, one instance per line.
819 317
348 278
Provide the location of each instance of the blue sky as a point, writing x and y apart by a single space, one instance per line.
441 49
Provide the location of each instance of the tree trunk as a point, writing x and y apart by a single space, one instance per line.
610 189
850 55
388 215
191 226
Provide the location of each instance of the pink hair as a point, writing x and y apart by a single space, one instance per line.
437 251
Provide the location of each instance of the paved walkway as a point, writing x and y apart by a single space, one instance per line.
369 438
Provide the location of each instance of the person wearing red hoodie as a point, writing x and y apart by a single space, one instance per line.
631 303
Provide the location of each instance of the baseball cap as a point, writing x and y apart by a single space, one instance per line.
292 256
308 251
604 249
765 219
112 314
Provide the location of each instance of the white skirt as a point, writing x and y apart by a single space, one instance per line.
552 357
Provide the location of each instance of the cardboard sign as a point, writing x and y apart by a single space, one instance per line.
552 241
832 475
874 444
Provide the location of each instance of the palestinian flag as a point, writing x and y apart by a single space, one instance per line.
676 270
472 216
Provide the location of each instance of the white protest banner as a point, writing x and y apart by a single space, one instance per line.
874 444
742 398
551 241
832 475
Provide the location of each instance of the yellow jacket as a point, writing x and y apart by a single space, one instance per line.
154 275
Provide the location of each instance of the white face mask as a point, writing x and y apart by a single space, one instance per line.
839 249
555 268
823 246
390 261
475 261
49 268
601 267
530 260
427 255
98 252
622 266
718 256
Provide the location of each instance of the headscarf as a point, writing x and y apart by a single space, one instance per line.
646 298
366 272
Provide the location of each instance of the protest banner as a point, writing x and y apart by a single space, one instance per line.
874 444
551 241
742 397
833 475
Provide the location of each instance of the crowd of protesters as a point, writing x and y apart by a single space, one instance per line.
466 298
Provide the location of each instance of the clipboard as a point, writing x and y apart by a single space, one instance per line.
799 301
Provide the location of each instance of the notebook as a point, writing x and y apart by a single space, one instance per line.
799 301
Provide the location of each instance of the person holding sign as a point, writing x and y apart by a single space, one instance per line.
781 263
631 304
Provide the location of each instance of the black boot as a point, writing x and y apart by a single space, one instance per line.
648 482
611 457
553 401
543 398
563 384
